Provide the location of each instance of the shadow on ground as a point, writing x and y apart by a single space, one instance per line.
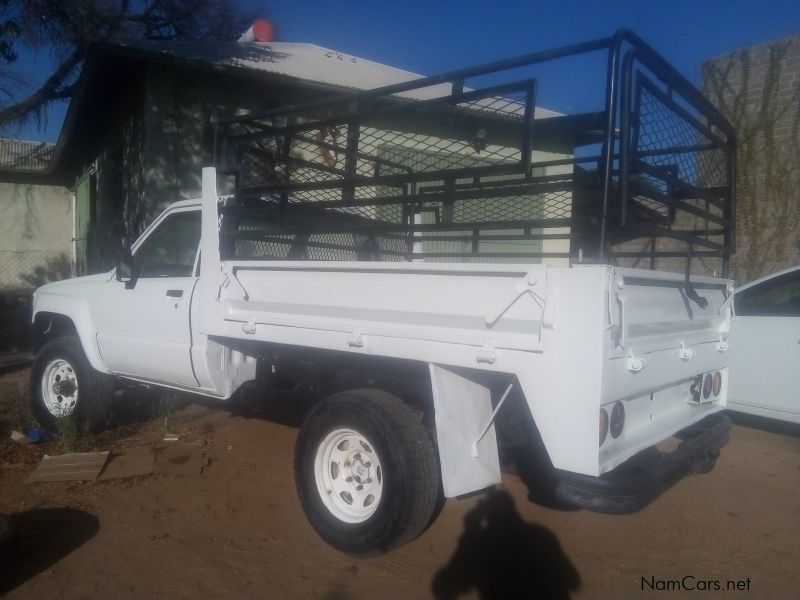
502 556
277 406
40 539
765 424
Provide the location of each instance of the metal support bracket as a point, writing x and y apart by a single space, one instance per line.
487 355
532 280
685 353
356 339
635 364
728 302
491 420
623 321
231 286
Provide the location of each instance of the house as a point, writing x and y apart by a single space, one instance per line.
758 89
137 132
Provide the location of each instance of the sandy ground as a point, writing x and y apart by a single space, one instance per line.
236 530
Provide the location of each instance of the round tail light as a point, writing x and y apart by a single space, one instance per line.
617 420
603 425
717 385
707 385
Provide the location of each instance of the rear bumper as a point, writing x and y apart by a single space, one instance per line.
645 476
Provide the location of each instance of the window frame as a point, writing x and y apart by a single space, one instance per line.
768 284
148 232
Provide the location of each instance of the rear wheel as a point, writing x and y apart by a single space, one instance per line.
366 472
64 386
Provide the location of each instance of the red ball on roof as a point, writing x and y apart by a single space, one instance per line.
263 31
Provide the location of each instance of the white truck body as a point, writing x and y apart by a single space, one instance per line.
576 339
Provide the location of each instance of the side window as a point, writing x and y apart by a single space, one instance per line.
171 249
779 297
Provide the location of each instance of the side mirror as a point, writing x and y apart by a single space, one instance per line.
125 269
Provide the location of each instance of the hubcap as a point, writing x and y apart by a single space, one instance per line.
348 475
59 388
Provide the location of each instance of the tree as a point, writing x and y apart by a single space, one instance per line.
67 28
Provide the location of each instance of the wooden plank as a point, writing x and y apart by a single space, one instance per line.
84 466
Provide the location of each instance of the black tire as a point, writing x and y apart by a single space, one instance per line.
94 389
410 471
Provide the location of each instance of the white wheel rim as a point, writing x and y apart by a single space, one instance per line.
59 388
349 475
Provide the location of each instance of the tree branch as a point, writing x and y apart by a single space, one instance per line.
68 28
64 93
47 92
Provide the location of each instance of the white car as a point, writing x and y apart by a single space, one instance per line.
765 354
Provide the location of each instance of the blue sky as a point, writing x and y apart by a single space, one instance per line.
430 37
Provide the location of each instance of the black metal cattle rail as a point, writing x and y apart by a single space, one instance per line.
433 170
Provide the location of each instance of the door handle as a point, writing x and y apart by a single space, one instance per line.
175 293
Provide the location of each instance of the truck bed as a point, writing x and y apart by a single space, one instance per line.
568 335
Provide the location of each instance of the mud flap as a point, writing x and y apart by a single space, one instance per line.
463 409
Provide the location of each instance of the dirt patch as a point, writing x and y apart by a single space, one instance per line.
235 528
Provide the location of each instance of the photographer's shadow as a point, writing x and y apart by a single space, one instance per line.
502 556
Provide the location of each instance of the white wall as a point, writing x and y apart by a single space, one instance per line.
35 234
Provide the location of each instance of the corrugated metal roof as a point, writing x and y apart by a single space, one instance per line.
19 156
303 61
298 60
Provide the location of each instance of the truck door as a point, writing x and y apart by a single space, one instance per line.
144 331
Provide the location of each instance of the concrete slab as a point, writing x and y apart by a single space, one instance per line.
84 466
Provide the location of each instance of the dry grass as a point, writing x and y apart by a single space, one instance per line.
15 404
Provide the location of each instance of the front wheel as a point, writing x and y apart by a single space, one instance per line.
65 386
366 472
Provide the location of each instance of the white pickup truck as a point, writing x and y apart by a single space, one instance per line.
427 372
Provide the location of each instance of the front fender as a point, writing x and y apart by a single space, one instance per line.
77 310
